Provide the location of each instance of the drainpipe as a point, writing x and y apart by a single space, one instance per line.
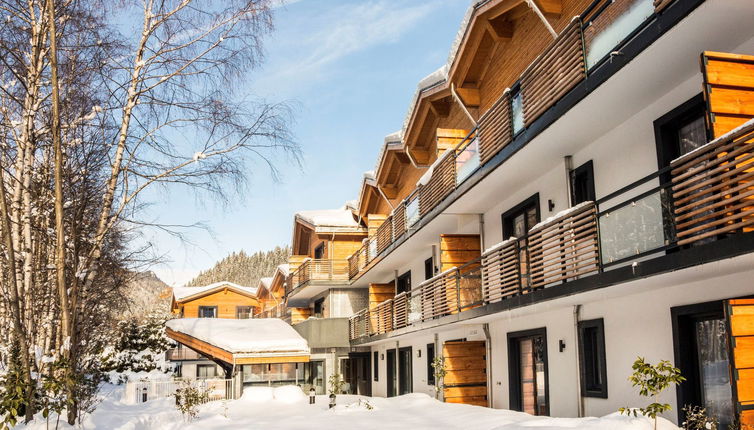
541 16
568 162
579 397
460 102
438 353
481 232
435 269
488 343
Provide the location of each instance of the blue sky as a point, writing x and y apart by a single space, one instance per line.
350 68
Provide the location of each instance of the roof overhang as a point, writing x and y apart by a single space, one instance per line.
217 289
217 353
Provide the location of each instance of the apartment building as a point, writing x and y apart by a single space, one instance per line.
569 192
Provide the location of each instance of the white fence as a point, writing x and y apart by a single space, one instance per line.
143 391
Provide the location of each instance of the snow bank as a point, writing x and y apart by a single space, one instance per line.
289 394
258 409
263 335
181 293
257 394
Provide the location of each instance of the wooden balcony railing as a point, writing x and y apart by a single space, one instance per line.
501 271
358 324
382 315
564 248
178 354
401 310
319 270
713 188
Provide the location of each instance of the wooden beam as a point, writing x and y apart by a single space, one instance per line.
500 27
470 96
551 8
390 191
441 107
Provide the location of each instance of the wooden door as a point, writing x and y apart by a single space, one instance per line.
466 378
740 316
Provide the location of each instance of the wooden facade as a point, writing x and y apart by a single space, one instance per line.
226 299
466 378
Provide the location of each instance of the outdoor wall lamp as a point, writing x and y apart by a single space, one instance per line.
419 353
312 395
561 345
551 205
332 400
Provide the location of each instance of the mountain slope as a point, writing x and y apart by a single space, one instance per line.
242 268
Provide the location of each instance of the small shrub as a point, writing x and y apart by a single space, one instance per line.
697 419
336 383
652 380
188 398
440 370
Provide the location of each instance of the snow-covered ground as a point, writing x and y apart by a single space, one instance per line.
291 410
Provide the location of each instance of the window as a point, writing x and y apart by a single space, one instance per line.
404 283
517 109
527 367
319 251
178 372
516 223
430 359
314 375
205 371
318 307
701 344
243 312
405 371
376 365
207 311
680 131
592 362
582 184
429 268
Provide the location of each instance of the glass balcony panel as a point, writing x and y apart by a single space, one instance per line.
612 26
412 212
517 108
467 161
633 229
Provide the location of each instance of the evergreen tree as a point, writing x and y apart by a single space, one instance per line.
243 269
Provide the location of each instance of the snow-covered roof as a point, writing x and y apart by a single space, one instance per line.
284 269
255 336
183 293
342 217
265 282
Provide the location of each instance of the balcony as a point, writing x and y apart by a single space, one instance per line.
709 196
317 272
181 354
582 48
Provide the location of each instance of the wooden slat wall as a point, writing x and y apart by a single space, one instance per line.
466 378
225 300
713 189
378 293
299 314
442 182
565 248
458 249
728 90
449 138
495 129
740 314
558 69
501 272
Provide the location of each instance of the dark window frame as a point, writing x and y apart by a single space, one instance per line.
376 365
666 128
402 381
199 311
406 276
319 249
586 169
321 304
205 366
507 217
429 268
514 367
587 389
684 348
430 359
